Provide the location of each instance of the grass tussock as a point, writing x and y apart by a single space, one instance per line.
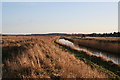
39 57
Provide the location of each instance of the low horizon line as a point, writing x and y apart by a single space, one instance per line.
63 32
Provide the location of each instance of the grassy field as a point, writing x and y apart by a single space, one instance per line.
105 38
40 57
98 38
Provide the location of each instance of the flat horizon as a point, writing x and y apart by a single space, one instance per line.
60 32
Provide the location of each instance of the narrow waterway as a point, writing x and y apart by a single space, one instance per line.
109 56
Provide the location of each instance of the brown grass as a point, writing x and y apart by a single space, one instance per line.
105 38
98 38
100 43
39 57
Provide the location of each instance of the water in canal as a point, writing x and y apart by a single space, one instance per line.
109 56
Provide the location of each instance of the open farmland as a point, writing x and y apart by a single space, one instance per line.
39 57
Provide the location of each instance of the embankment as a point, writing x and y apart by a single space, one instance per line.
106 66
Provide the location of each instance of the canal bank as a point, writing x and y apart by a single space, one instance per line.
109 46
108 56
113 70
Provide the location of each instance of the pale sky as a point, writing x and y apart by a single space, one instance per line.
71 17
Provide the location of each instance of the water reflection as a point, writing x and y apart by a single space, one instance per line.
112 57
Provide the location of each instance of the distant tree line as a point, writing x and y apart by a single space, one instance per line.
114 34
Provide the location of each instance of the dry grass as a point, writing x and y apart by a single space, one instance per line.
98 38
105 38
103 64
109 44
39 57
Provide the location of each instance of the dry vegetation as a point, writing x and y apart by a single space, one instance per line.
108 44
97 38
40 57
103 64
105 38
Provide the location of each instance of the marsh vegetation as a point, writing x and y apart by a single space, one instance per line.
44 57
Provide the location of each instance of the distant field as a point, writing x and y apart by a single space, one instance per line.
40 57
106 38
99 38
